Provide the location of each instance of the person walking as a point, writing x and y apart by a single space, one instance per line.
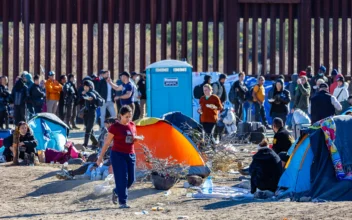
62 104
210 105
108 94
19 97
127 95
122 156
53 89
279 100
70 98
303 93
258 101
324 104
135 77
37 95
142 92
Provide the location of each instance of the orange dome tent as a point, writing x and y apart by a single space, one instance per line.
165 140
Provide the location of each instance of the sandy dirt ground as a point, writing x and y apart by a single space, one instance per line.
35 193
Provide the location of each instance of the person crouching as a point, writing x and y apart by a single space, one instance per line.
24 144
265 169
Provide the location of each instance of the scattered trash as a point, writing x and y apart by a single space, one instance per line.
232 171
207 187
285 200
189 195
167 193
305 199
266 194
183 217
244 184
186 185
105 187
160 204
157 208
319 200
82 177
142 213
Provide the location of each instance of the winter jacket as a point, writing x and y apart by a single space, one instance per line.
323 106
4 98
90 104
279 100
142 88
37 95
293 87
240 90
282 141
341 93
265 170
102 89
333 85
302 97
19 93
70 94
53 89
219 90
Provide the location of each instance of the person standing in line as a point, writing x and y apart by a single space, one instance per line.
62 104
324 104
37 95
135 79
258 101
240 90
341 93
108 94
53 89
303 93
19 97
142 92
122 156
70 97
4 103
219 88
28 79
210 105
279 101
127 95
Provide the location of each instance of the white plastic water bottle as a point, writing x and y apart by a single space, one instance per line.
93 175
208 186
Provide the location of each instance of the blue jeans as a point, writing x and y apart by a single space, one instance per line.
124 166
260 113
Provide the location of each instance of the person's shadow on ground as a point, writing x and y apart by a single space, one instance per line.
57 187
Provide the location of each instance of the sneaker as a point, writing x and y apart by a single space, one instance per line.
124 206
64 175
114 198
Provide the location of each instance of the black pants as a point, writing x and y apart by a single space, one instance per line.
260 113
61 110
89 120
4 119
208 129
31 110
38 109
137 111
238 110
19 113
118 105
69 113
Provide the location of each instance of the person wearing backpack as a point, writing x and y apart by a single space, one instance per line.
238 94
219 88
258 101
4 103
90 96
70 95
198 90
37 95
127 95
341 93
19 96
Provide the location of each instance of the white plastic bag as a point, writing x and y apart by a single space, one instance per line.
105 187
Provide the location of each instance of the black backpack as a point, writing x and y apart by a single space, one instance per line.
99 101
249 95
232 94
198 91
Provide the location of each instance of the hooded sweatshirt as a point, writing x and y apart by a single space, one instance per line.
341 92
302 97
29 79
280 99
334 84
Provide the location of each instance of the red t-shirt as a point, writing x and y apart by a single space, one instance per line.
123 137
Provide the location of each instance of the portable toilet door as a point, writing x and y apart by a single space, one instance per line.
169 88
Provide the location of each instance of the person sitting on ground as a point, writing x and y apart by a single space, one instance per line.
265 169
24 144
284 158
324 105
282 139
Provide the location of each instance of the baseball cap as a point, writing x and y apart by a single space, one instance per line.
51 73
302 73
341 79
103 71
323 86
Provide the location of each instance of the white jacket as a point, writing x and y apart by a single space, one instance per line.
341 93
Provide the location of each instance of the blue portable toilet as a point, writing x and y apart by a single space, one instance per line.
169 88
